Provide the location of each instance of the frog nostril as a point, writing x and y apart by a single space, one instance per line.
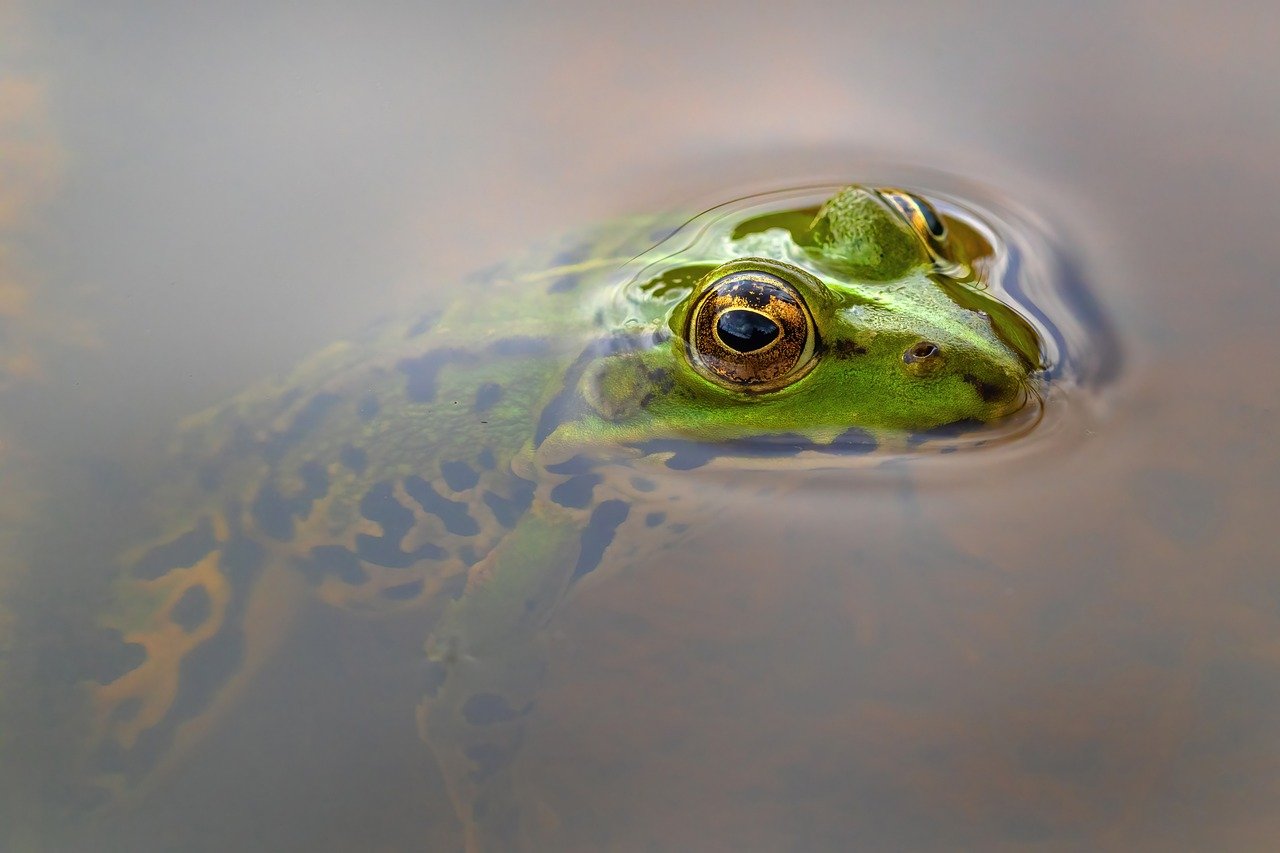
920 352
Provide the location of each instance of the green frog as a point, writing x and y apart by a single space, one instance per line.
480 460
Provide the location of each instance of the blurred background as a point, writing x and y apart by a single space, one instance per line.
238 184
194 195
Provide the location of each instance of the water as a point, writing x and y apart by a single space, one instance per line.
1067 641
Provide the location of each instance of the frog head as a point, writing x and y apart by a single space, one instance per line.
861 314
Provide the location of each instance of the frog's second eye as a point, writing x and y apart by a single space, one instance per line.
751 330
920 214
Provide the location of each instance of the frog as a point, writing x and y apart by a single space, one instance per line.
477 461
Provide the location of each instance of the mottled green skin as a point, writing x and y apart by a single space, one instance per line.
477 462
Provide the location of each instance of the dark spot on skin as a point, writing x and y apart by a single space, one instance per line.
486 396
489 758
242 438
500 819
422 324
288 398
564 283
642 484
468 555
433 677
520 347
184 551
307 419
490 709
457 520
380 505
486 460
459 476
333 560
598 535
782 444
241 559
988 391
661 379
112 658
507 510
274 513
112 758
367 409
576 465
953 430
192 609
126 710
555 412
575 254
845 347
404 591
653 519
420 373
678 528
854 440
576 491
315 481
688 455
354 458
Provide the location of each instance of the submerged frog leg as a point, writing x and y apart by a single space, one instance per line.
489 645
187 617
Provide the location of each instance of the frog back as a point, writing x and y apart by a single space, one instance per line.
375 476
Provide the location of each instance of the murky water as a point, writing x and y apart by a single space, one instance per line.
1067 641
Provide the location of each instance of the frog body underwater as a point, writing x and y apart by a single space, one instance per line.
479 461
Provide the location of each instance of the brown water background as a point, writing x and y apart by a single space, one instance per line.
1073 645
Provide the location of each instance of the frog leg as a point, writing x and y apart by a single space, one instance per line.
490 645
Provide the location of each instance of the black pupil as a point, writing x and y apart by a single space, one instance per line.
931 220
746 331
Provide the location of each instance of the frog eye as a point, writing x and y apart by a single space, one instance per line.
751 330
920 214
923 358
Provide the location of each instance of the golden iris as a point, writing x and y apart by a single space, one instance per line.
751 330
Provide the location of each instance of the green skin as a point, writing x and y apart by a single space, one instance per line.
479 463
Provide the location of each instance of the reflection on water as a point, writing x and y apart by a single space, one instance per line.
1065 640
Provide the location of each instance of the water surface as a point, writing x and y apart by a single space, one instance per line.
1068 641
